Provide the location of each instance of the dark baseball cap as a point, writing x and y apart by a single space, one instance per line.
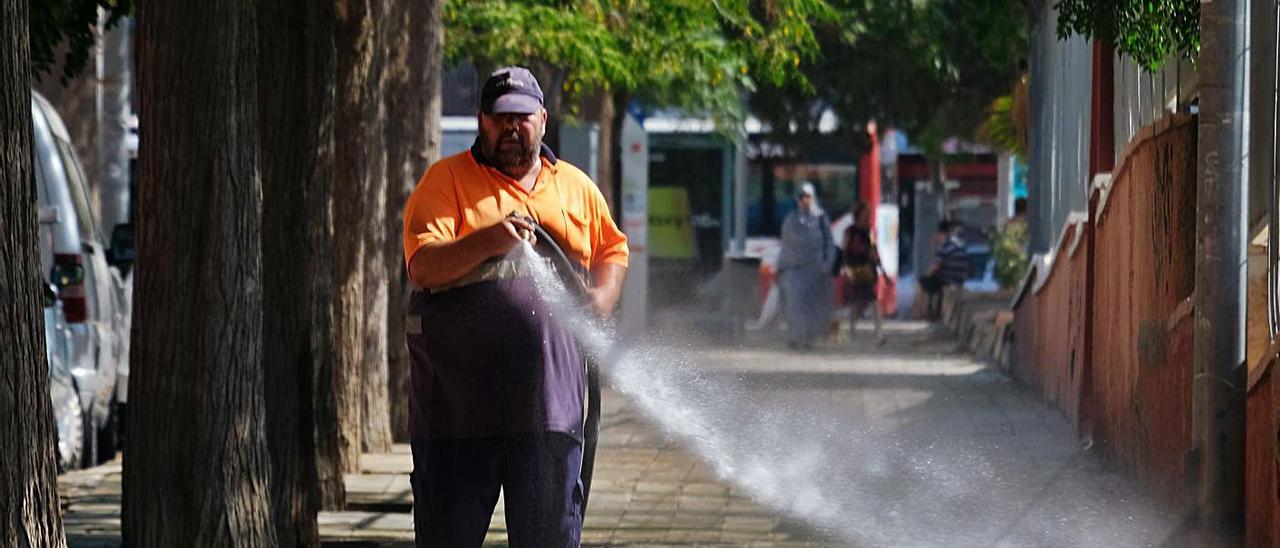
511 90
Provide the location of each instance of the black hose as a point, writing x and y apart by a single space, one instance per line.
591 425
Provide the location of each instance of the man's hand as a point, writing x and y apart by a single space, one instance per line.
501 238
442 263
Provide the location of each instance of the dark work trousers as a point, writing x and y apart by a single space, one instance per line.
456 483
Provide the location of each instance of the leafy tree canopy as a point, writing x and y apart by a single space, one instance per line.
55 22
1148 31
930 68
697 55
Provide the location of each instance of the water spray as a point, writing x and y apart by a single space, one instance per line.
577 281
843 475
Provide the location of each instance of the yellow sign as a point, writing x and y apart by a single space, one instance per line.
670 224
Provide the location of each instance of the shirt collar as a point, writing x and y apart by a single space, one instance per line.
546 153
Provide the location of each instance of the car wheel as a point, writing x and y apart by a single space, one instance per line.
70 430
108 434
89 453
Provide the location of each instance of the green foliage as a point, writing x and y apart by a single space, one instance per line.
1009 252
55 22
503 33
929 68
1000 128
1148 31
695 55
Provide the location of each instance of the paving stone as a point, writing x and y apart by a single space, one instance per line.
749 524
399 461
705 489
651 491
646 520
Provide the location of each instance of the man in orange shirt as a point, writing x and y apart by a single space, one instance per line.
497 385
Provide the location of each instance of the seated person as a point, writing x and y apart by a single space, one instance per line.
950 265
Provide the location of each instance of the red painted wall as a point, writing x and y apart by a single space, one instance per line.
1138 406
1144 271
1262 505
1049 328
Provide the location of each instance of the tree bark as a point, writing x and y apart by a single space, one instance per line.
399 131
419 129
320 80
29 513
551 79
376 413
611 112
198 472
606 139
296 74
354 43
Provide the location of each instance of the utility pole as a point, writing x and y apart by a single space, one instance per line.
1219 398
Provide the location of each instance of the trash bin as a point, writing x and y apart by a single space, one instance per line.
742 286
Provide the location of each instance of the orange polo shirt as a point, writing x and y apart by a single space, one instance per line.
459 195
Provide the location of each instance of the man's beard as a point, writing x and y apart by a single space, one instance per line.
509 159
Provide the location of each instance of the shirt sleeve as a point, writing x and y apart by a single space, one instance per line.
608 243
431 214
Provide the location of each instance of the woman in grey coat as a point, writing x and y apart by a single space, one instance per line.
804 270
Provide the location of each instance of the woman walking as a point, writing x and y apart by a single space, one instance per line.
804 270
861 271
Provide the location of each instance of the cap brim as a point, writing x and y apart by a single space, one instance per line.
513 103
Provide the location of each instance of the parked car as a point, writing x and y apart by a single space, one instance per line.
92 294
68 414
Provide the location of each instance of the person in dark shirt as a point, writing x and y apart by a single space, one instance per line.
861 270
950 266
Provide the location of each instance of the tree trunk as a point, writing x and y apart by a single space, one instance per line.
354 42
198 471
611 113
551 79
398 130
376 414
296 73
607 137
419 129
29 513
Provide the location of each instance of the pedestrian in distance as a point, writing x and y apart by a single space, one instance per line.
804 270
497 393
950 266
860 271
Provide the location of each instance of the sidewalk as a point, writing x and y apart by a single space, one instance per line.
1041 489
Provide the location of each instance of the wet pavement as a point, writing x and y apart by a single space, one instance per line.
650 490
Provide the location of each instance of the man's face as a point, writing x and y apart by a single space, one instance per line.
511 141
